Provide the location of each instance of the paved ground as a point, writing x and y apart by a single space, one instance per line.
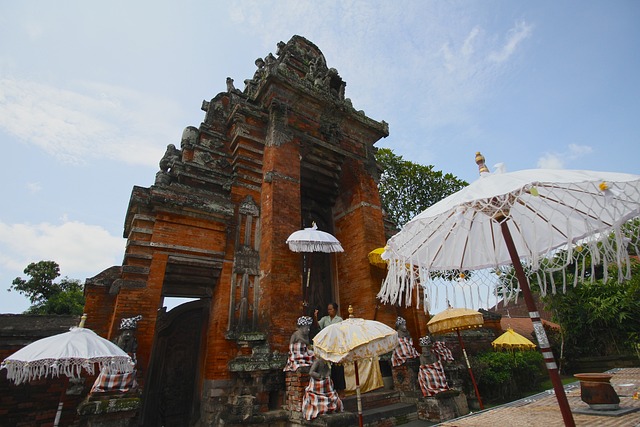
542 410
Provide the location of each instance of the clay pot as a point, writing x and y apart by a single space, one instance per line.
597 392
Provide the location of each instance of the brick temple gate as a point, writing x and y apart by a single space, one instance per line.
287 150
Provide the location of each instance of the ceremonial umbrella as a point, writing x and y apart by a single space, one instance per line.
310 240
68 354
511 340
457 319
354 339
375 258
503 217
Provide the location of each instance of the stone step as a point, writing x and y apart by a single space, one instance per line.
394 414
371 400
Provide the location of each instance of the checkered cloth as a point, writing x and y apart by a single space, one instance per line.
432 379
114 382
299 355
320 398
404 351
440 349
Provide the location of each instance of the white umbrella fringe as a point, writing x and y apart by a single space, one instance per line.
20 372
612 247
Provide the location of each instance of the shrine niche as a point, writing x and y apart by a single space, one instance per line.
283 152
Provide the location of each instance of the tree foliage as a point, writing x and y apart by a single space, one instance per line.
505 376
408 188
599 318
47 296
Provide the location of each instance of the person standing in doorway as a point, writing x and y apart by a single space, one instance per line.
337 371
329 319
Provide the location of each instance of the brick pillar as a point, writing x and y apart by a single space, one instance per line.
296 382
405 376
281 299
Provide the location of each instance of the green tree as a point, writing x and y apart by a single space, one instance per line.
599 318
46 296
408 188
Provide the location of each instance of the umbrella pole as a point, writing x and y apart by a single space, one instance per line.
541 335
56 420
355 368
473 379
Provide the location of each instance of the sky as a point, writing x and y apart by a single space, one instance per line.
91 93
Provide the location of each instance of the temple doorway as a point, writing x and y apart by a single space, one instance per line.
172 392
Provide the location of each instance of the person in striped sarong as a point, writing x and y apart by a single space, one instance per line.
405 349
431 376
299 354
320 397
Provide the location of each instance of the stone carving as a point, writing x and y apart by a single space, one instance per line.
230 87
168 165
171 157
189 138
127 340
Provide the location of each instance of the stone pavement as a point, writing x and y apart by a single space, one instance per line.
542 410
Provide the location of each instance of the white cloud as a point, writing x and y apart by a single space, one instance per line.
577 151
90 121
551 161
515 36
559 160
81 250
34 187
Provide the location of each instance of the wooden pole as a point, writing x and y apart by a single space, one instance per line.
358 398
541 335
473 379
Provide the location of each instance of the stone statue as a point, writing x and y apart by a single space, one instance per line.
427 357
230 87
431 377
127 340
171 157
300 355
405 349
320 397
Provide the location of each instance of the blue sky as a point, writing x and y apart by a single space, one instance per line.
91 93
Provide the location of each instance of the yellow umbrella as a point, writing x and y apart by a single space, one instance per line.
511 340
455 320
375 258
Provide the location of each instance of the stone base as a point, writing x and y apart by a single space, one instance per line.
444 406
610 413
405 376
109 412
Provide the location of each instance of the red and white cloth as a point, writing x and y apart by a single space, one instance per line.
442 352
432 379
320 398
404 351
299 355
114 382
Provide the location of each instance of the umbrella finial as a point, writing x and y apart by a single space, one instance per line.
82 320
482 167
350 311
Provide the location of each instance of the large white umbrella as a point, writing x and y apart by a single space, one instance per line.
354 339
503 217
68 354
310 240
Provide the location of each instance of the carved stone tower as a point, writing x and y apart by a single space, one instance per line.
266 161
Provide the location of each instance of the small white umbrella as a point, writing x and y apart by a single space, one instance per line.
503 217
354 339
69 354
310 239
